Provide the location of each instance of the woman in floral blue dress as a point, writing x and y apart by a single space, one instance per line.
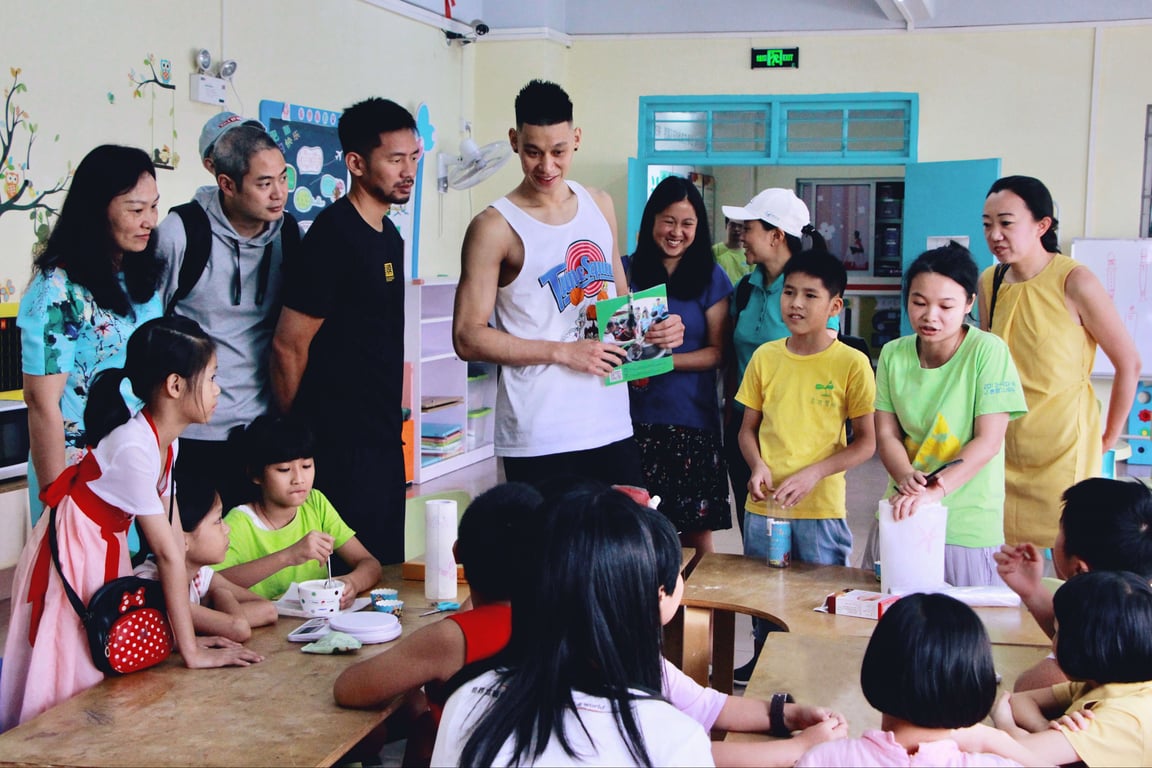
92 285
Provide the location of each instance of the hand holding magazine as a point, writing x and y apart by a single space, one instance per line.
624 321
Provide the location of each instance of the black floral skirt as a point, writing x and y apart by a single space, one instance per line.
685 467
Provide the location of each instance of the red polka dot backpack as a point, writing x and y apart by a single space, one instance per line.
126 621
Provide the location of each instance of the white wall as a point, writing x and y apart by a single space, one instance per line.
326 54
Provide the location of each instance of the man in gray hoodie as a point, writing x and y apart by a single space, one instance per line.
236 298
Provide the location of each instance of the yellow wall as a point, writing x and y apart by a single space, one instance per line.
1020 95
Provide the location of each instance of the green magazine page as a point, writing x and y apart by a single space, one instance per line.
624 321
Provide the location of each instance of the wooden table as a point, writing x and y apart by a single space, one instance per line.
825 671
278 712
723 585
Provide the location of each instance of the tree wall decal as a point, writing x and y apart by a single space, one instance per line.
19 192
162 154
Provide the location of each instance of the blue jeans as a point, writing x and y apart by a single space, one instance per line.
827 542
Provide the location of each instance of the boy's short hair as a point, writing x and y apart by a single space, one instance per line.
930 662
1108 524
495 539
1104 627
361 124
541 102
196 496
822 265
271 440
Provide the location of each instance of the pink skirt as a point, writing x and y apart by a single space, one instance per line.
57 665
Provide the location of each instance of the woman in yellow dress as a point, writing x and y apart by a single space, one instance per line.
1053 313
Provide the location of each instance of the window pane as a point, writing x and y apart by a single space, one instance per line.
740 131
1146 198
815 130
680 131
876 130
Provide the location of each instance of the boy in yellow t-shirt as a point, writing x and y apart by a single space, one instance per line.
797 393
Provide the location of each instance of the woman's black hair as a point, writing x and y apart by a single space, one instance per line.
196 496
929 662
589 620
692 276
952 261
1104 627
155 350
81 241
271 440
816 241
1038 200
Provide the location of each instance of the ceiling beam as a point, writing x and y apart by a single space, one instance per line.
911 12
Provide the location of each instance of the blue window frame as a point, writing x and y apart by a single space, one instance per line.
826 129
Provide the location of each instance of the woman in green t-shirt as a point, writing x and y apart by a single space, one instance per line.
947 392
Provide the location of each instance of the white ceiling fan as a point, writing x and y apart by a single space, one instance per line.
474 163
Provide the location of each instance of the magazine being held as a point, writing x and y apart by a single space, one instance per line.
624 321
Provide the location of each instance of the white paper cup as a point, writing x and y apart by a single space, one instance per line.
319 599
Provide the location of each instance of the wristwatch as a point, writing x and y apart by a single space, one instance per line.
776 715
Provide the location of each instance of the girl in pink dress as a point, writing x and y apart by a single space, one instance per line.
124 476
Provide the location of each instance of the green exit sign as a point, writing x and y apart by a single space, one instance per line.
775 58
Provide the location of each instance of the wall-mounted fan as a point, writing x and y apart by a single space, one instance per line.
474 164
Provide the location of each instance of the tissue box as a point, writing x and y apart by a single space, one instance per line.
857 602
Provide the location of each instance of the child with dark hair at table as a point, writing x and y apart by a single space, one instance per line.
493 542
289 531
1104 644
928 670
780 716
1106 525
219 607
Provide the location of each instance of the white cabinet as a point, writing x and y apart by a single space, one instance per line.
452 401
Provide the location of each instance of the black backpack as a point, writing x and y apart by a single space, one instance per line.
198 232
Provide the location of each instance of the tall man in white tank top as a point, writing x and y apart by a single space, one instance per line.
536 260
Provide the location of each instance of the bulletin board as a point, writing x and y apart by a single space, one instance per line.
317 176
1125 269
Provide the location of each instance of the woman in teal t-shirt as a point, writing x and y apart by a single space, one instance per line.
946 393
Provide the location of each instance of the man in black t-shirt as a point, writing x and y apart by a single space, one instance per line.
338 352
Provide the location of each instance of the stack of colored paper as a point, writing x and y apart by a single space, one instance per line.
441 439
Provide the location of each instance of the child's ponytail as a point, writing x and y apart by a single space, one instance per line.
156 349
105 409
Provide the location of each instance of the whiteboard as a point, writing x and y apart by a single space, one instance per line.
1125 269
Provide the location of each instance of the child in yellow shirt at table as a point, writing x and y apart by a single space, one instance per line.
1104 644
797 394
218 606
289 532
1106 525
